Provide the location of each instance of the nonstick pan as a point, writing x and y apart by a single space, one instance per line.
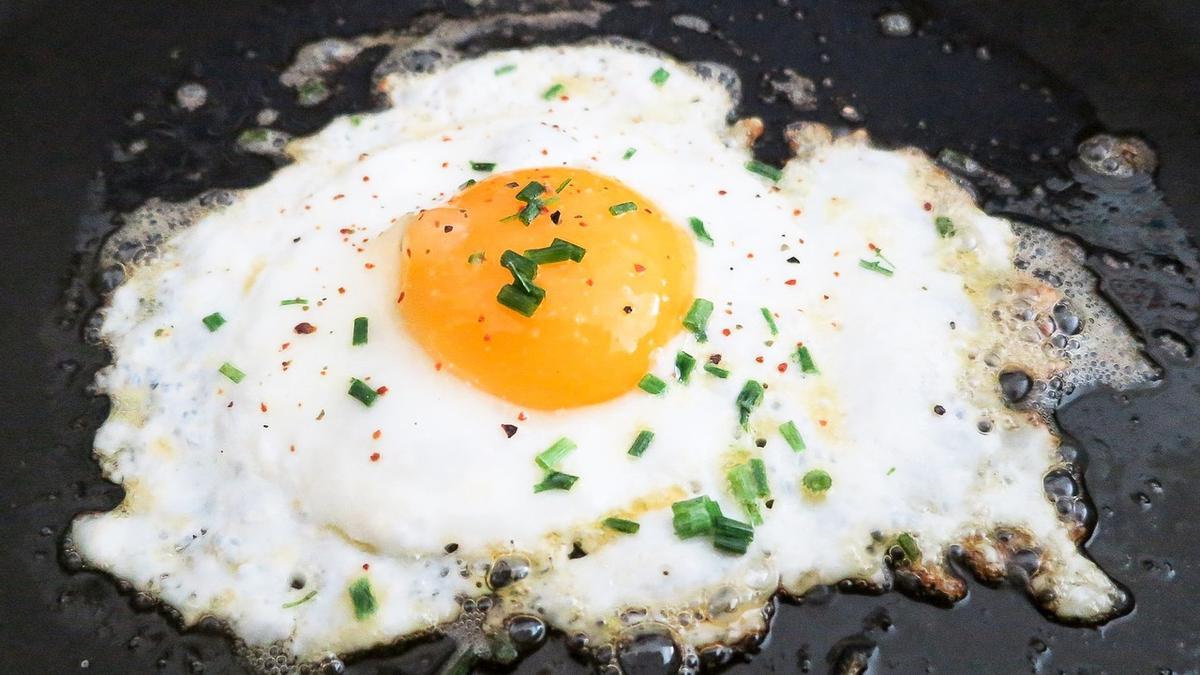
1015 84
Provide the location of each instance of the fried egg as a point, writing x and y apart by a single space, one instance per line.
543 341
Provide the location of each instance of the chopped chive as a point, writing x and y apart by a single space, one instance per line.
652 384
360 331
770 321
519 300
307 596
483 166
805 359
213 321
621 525
553 91
355 120
229 370
696 319
467 183
660 76
748 399
362 391
817 481
876 266
765 170
699 230
741 484
294 301
912 550
629 152
692 517
715 370
505 69
792 435
530 213
559 250
731 535
476 258
685 363
891 471
758 469
563 185
555 480
523 270
530 192
549 458
642 442
623 207
362 598
945 227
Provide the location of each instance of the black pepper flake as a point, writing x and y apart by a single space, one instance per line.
627 309
304 328
296 240
939 410
554 217
714 359
577 551
760 442
511 185
448 228
794 260
451 547
509 429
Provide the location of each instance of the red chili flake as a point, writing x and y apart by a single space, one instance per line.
377 434
292 448
758 359
401 298
836 253
366 179
722 192
749 256
437 366
564 98
872 246
823 422
487 338
374 456
782 367
346 230
795 212
589 282
445 164
544 152
446 139
521 416
790 282
509 429
639 268
341 290
262 407
837 274
284 346
927 206
304 328
824 297
382 391
338 196
725 332
366 566
369 266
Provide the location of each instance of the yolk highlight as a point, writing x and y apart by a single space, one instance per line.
602 318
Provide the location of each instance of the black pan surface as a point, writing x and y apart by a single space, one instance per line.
72 76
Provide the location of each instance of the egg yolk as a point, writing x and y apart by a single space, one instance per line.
593 335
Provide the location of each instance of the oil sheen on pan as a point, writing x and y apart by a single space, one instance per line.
542 343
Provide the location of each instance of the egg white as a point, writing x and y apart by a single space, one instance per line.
238 492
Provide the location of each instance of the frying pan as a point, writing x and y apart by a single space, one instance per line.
1014 83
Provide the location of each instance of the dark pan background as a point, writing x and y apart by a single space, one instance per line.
71 74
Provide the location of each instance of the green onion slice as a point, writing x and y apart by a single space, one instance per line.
741 484
530 213
505 69
700 231
629 153
817 481
651 384
559 250
555 480
621 525
696 319
519 300
644 437
758 469
908 544
685 363
748 399
523 270
362 598
770 321
623 207
805 359
483 166
213 321
476 258
563 185
307 596
692 517
945 227
549 458
732 535
765 170
792 435
715 370
553 91
876 266
531 191
229 370
362 391
360 331
294 301
660 77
